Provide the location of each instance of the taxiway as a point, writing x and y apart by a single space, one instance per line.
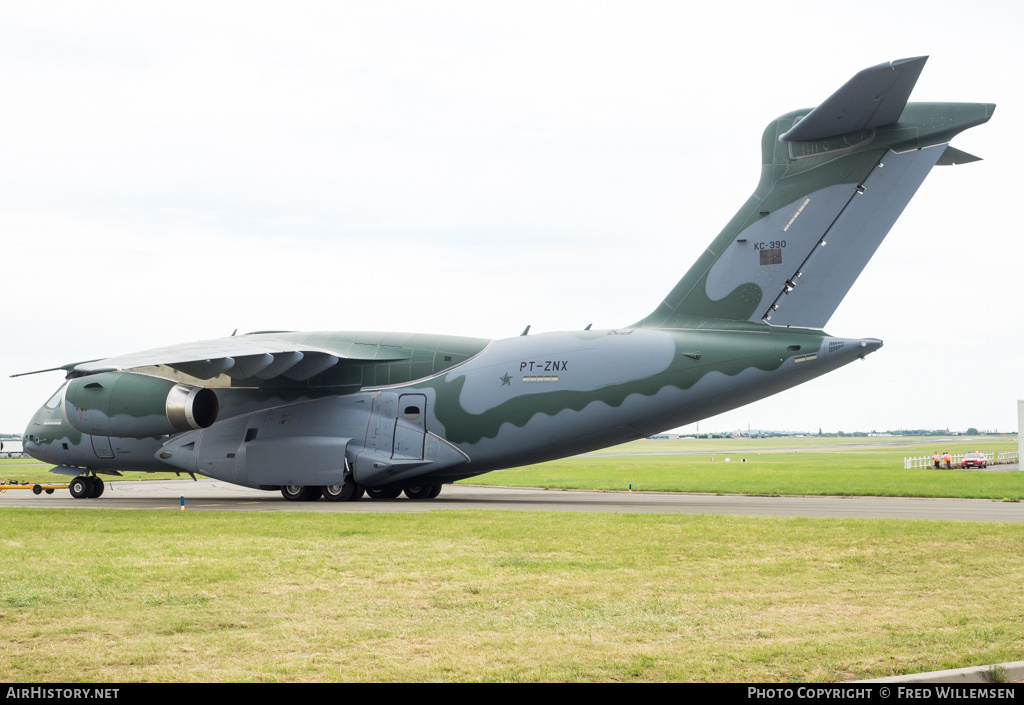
211 495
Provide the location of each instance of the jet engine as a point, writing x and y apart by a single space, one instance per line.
132 405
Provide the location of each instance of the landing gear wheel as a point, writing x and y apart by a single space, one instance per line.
97 487
339 493
390 493
420 492
357 493
300 493
436 490
80 487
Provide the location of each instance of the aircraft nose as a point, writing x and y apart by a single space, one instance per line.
31 444
38 436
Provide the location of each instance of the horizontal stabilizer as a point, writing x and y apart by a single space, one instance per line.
874 97
953 156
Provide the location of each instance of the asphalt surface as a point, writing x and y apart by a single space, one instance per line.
212 495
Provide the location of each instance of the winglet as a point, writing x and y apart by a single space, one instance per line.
874 97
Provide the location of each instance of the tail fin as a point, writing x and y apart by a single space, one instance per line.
833 181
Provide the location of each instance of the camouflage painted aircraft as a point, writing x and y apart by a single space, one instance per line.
337 414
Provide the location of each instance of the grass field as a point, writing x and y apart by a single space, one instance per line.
111 595
773 466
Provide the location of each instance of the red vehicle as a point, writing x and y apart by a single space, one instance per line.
975 460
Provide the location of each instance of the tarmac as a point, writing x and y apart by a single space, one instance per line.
214 495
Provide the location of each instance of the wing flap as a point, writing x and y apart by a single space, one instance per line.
205 369
311 365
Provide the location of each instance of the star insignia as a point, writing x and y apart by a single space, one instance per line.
506 380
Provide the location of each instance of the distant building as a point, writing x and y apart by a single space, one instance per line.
12 448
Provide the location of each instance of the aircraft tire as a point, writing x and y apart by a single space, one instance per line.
79 487
338 493
97 488
419 491
390 493
436 490
357 493
300 493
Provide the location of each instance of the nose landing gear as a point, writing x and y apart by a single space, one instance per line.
86 487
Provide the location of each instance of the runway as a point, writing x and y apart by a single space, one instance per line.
212 495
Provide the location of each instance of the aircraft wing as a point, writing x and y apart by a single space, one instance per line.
263 356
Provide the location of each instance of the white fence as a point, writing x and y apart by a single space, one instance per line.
928 461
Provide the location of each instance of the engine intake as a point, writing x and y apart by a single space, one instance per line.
131 405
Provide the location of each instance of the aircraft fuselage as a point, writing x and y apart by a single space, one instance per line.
520 400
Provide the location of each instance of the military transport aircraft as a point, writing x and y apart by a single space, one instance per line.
337 414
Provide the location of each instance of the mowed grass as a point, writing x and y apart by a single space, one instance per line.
110 595
772 467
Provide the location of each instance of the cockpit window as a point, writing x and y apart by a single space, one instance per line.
55 399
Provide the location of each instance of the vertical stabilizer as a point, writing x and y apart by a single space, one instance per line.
824 203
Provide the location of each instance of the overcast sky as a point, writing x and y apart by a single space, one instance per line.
173 171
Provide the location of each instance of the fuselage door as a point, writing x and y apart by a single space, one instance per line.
410 426
101 444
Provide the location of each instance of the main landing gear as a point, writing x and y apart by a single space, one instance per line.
86 487
350 492
422 491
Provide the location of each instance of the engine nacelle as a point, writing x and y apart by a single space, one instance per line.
131 405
